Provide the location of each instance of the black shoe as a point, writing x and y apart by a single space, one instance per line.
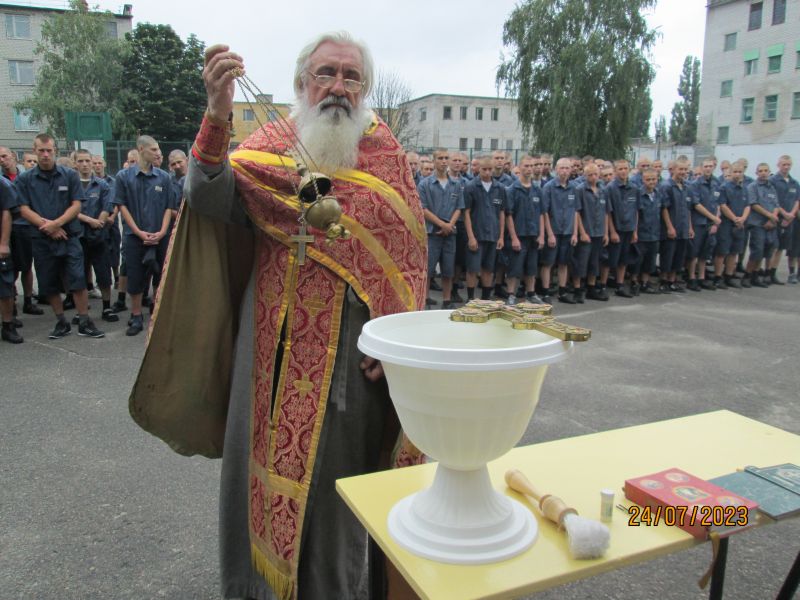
593 294
758 282
746 283
449 305
732 283
665 288
76 320
623 293
69 303
635 289
500 292
693 286
707 285
775 281
649 288
456 297
135 325
435 286
533 299
547 299
89 330
9 334
719 283
580 295
62 328
109 316
430 302
567 298
119 306
674 287
32 309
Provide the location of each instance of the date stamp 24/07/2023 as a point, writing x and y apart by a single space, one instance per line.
702 515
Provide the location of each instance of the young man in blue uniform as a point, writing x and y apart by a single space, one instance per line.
147 202
442 199
762 224
676 226
731 233
788 195
623 198
525 226
594 222
484 221
648 233
51 197
8 203
705 220
561 207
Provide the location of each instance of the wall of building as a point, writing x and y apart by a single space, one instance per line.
247 116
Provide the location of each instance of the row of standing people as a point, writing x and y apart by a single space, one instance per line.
61 217
599 226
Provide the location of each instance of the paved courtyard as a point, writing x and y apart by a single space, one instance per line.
93 507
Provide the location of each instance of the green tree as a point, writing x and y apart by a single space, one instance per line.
81 69
580 71
641 124
164 95
683 124
661 128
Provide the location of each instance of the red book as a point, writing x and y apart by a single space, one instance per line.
675 497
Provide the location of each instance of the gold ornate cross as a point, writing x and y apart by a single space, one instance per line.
301 238
524 315
303 386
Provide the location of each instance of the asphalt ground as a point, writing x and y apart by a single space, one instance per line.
91 506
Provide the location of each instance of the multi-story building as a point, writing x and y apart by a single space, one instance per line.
472 124
750 93
23 31
247 116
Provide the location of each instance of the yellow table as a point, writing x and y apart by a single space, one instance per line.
706 445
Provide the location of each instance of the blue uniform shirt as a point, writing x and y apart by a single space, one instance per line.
505 179
649 229
97 198
678 202
146 195
50 193
485 209
594 209
788 191
441 201
8 197
561 203
623 199
525 207
735 196
705 192
765 195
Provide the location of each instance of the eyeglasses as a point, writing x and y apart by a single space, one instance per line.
328 81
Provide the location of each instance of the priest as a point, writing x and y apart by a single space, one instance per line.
264 369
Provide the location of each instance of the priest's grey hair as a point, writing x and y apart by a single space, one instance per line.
337 37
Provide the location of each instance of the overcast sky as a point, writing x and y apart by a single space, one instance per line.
434 46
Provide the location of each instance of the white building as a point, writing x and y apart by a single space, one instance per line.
750 92
472 124
22 32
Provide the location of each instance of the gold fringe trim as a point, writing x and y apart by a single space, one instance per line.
281 583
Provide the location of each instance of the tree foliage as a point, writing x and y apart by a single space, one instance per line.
683 124
661 129
164 95
580 71
388 95
81 69
641 124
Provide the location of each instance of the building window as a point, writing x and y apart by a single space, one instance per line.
462 143
494 143
478 144
756 8
730 42
20 72
495 114
796 106
423 114
248 114
462 113
18 27
771 107
23 121
111 29
747 109
479 113
778 12
751 66
509 144
722 135
774 64
447 113
272 115
726 89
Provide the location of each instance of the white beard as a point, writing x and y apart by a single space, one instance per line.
329 136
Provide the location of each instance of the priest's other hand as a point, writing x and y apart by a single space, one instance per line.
373 369
219 80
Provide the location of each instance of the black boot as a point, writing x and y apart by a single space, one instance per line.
9 334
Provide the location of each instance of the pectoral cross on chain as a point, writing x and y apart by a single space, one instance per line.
301 238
